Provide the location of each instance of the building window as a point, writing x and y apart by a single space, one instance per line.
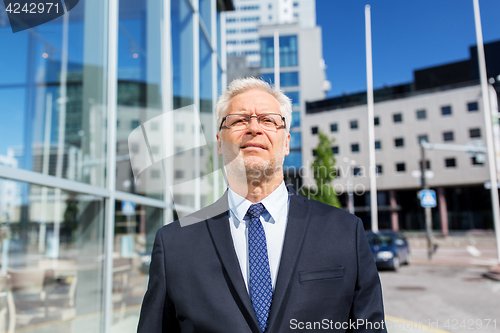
422 137
267 52
231 31
446 110
314 152
134 124
421 114
397 118
448 136
295 119
475 132
354 124
378 145
376 121
472 107
295 4
356 172
294 96
477 161
400 167
355 148
314 130
270 6
288 51
335 150
179 174
334 127
399 142
289 79
427 164
450 162
378 169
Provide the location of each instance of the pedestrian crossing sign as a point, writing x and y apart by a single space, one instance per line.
428 198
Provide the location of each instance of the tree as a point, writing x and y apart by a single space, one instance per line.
324 172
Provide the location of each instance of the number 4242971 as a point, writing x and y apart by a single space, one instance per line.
32 8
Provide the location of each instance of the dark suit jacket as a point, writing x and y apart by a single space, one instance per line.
326 275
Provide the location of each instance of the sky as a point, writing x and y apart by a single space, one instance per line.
406 35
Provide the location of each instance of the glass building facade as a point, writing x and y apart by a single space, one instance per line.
107 133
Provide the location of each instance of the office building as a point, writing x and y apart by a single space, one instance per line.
77 217
242 25
443 105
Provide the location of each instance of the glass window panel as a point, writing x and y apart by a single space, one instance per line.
54 107
289 79
135 230
267 52
268 77
288 51
293 160
295 140
139 92
53 240
206 15
294 96
295 119
182 53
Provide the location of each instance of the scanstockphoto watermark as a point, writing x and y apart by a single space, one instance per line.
327 324
26 14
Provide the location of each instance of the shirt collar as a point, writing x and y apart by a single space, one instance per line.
274 204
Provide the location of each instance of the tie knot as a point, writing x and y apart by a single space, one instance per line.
255 210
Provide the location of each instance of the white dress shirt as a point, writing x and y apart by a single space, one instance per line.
274 219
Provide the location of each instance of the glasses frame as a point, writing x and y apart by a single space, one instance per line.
250 119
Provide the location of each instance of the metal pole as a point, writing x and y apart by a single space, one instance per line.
428 212
371 125
109 221
487 124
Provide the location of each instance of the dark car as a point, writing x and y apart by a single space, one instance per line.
390 248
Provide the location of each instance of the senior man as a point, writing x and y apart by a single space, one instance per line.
269 259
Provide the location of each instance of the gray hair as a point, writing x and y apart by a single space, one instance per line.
242 85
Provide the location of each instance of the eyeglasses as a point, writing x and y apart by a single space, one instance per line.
268 121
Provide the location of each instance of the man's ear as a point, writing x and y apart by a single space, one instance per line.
219 147
287 145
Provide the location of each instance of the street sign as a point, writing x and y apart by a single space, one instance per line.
128 208
428 198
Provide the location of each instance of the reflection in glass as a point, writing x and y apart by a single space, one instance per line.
52 258
53 97
135 231
182 53
139 89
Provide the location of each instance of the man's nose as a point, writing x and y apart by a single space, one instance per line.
254 126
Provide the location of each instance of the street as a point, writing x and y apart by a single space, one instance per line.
444 298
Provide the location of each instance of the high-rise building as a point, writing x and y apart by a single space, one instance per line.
243 23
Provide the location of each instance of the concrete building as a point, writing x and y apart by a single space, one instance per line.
242 24
302 77
443 105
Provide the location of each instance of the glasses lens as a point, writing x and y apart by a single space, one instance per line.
269 120
236 120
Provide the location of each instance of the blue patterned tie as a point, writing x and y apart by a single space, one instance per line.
261 288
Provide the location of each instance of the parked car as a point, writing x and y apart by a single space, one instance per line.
390 249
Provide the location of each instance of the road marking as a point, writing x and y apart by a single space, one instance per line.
414 324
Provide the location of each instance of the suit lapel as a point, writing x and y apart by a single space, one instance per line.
298 217
220 232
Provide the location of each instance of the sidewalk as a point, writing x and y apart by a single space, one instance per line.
465 249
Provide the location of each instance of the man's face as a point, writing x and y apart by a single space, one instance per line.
253 147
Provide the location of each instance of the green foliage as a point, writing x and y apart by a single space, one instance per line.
324 172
